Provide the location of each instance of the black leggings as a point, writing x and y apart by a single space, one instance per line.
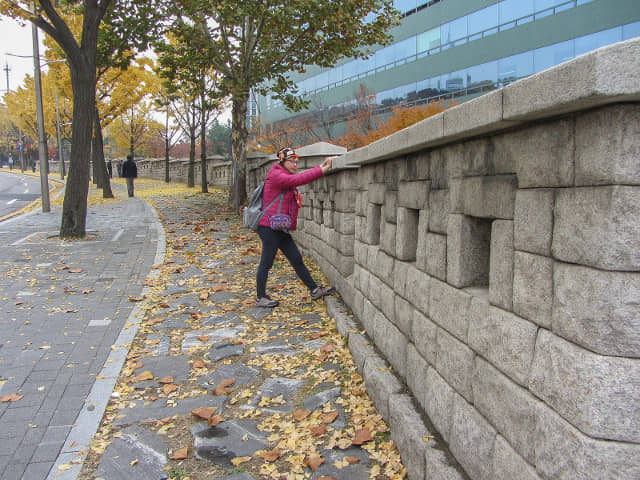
272 240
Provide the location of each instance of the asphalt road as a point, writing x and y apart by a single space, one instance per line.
16 191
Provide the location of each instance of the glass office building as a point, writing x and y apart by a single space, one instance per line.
461 49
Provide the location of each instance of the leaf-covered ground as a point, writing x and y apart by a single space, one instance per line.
205 288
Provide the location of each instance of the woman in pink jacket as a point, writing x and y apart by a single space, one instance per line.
283 177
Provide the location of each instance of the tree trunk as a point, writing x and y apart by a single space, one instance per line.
239 135
74 206
166 150
100 167
191 182
203 152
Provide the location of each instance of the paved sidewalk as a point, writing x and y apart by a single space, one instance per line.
133 360
63 305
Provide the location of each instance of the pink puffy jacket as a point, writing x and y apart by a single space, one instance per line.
279 179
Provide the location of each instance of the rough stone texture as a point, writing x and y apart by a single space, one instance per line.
501 264
603 395
381 384
407 234
489 196
424 333
404 312
511 409
508 465
454 361
438 402
448 308
607 150
438 210
472 440
439 466
506 340
468 241
436 256
414 195
598 310
416 374
598 227
392 343
533 221
407 431
533 287
564 453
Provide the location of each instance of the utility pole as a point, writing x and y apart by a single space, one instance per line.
42 145
7 70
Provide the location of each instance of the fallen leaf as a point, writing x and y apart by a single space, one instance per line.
351 460
301 414
65 466
204 412
75 270
319 429
169 388
14 397
214 420
134 462
362 436
239 460
204 338
197 363
224 387
153 321
168 379
271 455
146 375
313 461
180 454
330 417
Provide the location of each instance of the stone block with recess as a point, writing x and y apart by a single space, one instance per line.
510 408
472 440
533 221
438 465
598 227
376 193
468 243
407 233
438 210
421 241
563 452
545 154
372 226
404 313
504 339
598 310
418 287
454 361
508 465
533 287
361 349
435 261
413 195
438 403
598 394
408 432
390 206
381 383
448 308
501 264
345 223
489 196
607 146
388 237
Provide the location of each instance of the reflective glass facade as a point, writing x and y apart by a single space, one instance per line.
449 48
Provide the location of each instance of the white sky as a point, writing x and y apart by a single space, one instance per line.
16 40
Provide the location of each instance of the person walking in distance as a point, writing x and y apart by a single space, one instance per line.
129 172
282 178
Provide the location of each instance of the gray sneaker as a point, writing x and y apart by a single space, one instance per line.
320 292
266 302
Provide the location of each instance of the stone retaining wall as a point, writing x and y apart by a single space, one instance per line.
492 254
219 172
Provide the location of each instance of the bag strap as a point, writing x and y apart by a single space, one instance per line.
281 196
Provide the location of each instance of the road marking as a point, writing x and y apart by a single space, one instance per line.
117 236
12 201
24 239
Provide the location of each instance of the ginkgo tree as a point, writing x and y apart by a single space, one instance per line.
257 44
107 26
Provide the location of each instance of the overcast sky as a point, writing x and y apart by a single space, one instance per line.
16 40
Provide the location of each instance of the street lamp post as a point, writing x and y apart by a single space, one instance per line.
42 146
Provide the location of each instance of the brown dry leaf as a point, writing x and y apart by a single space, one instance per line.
204 412
180 454
247 303
319 429
204 296
271 455
169 388
153 321
75 270
168 379
239 460
329 417
214 420
362 436
138 365
14 397
197 363
164 305
135 299
87 290
204 338
224 387
146 375
301 414
220 288
327 348
351 460
313 461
